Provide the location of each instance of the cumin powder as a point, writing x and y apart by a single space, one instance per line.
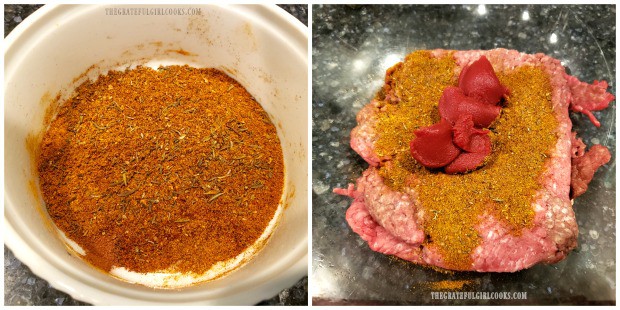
505 188
170 169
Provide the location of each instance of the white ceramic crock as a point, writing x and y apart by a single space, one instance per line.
262 47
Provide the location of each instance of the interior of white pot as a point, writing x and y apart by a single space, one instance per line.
251 43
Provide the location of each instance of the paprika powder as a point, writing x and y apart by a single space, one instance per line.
173 169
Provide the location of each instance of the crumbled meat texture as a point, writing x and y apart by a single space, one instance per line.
578 148
589 97
583 168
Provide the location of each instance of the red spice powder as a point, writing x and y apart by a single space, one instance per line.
176 168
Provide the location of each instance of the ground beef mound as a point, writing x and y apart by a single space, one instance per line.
393 220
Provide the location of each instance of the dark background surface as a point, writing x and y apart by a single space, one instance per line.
353 45
22 287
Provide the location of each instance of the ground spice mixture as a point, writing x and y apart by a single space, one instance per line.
522 139
176 168
449 285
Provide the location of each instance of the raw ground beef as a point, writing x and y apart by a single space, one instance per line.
392 221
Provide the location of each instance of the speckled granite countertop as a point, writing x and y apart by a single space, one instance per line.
352 47
22 287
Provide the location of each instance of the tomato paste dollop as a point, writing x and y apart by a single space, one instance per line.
460 142
479 81
454 103
433 146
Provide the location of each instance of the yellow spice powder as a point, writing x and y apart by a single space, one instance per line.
522 139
